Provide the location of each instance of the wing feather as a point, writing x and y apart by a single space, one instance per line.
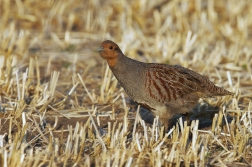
167 82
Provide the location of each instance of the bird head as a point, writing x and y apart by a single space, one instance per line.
109 51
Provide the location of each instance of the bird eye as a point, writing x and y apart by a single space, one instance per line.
111 47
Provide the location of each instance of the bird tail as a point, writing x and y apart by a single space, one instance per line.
218 91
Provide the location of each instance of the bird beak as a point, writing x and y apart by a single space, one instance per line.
100 49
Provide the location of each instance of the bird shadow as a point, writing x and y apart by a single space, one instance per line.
204 112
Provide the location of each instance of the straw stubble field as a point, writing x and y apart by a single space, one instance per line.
61 106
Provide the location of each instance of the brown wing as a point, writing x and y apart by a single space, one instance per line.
167 83
210 89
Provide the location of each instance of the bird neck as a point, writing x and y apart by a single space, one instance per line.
111 62
123 64
126 69
128 73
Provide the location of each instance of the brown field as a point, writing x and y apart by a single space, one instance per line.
60 105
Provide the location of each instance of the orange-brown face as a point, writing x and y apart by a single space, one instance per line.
109 51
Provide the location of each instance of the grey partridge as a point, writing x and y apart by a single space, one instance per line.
164 89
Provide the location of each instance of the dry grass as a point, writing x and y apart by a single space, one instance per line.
60 104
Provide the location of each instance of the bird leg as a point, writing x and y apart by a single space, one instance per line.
164 122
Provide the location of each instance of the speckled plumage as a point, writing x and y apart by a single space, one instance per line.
164 89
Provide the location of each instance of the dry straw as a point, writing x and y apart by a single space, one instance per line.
60 105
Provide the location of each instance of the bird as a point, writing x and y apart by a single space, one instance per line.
165 90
